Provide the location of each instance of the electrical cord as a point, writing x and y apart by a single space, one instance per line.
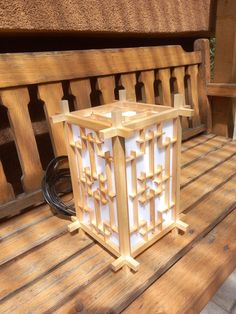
57 182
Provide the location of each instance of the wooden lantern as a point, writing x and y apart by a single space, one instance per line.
124 159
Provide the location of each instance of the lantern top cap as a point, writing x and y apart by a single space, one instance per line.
124 116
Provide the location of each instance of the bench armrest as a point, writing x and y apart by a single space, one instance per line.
221 89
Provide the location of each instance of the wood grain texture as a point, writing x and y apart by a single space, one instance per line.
18 244
207 162
106 85
204 77
69 273
16 101
201 150
158 258
42 67
52 95
148 78
221 89
81 90
200 282
6 190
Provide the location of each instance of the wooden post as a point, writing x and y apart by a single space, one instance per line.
225 66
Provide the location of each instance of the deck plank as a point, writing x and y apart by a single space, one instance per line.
40 262
202 150
54 287
195 141
23 221
30 238
157 259
189 285
208 182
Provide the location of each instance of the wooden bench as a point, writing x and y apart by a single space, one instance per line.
45 269
29 81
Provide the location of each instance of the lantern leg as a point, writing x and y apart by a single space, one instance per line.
122 261
74 225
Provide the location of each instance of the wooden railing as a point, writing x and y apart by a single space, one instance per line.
87 78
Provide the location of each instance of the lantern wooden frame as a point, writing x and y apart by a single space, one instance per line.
117 123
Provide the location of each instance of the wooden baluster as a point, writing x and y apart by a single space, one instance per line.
81 89
179 74
17 100
204 78
148 78
192 71
106 85
164 77
6 190
128 81
52 94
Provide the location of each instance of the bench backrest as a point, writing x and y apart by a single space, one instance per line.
92 77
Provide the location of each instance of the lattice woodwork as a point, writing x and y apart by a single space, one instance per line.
124 166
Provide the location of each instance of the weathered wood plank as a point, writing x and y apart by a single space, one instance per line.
221 89
196 141
56 253
217 250
205 164
30 238
22 201
208 182
42 67
202 150
17 224
54 288
157 259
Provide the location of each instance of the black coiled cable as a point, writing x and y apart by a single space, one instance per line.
55 178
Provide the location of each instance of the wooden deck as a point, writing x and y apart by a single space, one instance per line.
44 269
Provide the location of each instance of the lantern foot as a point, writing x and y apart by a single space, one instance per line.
74 225
127 260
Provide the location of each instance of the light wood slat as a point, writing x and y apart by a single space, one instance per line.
192 71
16 101
52 94
148 78
200 282
81 89
106 85
204 76
164 77
157 259
42 67
179 74
128 81
6 190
